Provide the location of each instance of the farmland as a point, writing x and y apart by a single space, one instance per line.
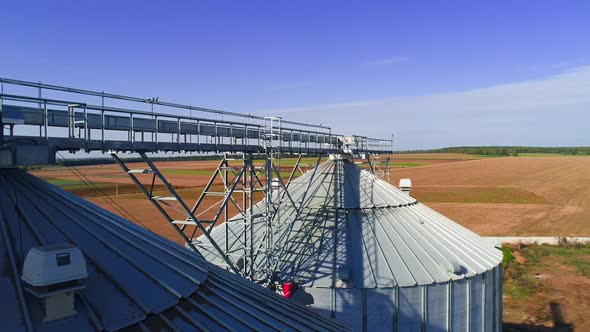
529 195
518 196
109 187
533 195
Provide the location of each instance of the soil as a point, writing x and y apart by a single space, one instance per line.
540 196
547 289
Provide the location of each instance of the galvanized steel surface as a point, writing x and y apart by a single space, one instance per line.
136 278
375 259
354 230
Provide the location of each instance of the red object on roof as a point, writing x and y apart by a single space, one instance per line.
289 288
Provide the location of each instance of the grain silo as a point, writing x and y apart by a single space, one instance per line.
374 258
68 265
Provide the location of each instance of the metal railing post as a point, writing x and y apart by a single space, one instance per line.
71 132
245 139
132 133
157 128
198 132
102 126
45 118
1 121
216 137
40 105
178 133
231 134
86 130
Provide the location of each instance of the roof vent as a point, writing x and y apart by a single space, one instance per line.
52 274
405 185
452 266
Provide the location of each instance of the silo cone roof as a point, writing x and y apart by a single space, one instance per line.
350 229
136 279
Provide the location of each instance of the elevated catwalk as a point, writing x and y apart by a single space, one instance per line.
40 119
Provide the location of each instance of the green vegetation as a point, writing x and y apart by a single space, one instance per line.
571 254
540 155
80 188
509 150
522 286
64 182
304 161
72 185
406 165
507 257
519 282
522 279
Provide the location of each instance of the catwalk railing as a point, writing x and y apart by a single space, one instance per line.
73 119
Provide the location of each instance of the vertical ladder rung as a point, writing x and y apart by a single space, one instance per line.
140 171
163 198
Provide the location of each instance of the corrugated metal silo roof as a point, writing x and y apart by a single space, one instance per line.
136 280
357 231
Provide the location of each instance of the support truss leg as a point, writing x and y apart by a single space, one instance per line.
158 201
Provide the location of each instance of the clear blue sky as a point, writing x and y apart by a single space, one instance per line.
436 73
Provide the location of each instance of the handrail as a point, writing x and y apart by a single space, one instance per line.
146 113
146 101
304 135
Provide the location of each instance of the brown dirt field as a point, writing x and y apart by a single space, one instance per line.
113 173
551 195
548 276
432 158
492 196
179 173
188 177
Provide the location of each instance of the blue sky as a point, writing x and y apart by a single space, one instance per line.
435 73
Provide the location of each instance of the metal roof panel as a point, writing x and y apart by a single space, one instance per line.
389 238
136 278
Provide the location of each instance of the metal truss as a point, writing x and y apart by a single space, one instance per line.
234 185
379 168
174 201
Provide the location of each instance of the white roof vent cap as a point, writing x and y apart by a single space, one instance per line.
405 185
52 274
53 264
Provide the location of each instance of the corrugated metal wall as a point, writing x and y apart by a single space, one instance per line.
473 304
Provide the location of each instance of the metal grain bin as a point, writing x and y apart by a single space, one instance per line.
376 259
